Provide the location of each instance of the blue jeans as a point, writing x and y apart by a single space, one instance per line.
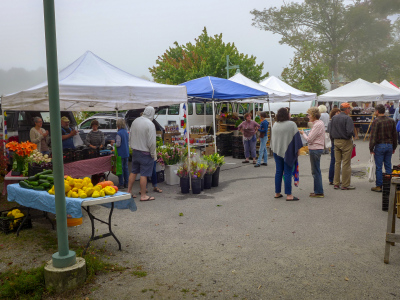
124 177
332 165
282 169
250 147
383 155
154 175
315 160
263 150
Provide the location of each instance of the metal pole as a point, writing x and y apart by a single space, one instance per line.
188 140
215 138
64 257
227 67
270 120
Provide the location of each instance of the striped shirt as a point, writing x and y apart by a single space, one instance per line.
95 138
316 137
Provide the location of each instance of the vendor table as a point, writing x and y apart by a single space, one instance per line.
42 200
75 169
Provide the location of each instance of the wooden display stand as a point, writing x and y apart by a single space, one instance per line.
168 137
391 236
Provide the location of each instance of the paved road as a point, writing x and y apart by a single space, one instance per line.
237 241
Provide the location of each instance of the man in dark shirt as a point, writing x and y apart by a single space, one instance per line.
382 143
342 131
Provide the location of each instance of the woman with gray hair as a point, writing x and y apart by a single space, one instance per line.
324 118
40 136
122 144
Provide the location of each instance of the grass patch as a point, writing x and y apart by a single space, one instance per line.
20 284
138 272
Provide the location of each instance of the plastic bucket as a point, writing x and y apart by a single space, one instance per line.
202 184
196 185
207 181
185 185
72 222
215 178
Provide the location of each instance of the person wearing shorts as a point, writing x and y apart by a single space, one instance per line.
142 140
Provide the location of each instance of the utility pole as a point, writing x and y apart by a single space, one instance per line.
228 66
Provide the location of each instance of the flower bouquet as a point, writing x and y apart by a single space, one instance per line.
218 161
20 152
169 154
197 169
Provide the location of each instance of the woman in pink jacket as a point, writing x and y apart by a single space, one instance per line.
316 144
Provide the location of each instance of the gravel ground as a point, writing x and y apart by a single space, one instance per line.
237 241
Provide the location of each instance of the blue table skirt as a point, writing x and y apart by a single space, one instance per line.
42 200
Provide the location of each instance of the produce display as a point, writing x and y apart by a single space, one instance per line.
42 181
83 188
74 187
16 215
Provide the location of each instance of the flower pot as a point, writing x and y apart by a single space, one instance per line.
207 181
196 185
202 184
185 185
215 178
170 175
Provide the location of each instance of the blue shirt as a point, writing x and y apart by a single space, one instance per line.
264 127
122 143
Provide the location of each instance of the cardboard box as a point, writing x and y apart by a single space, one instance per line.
197 135
209 150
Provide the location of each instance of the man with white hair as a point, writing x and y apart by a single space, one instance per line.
142 140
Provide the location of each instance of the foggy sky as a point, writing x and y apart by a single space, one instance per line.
132 34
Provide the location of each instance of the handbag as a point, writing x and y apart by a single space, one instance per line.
398 126
328 142
353 153
371 169
116 163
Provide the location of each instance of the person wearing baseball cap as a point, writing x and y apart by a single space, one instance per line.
342 131
67 134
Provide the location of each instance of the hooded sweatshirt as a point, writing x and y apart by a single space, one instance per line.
142 135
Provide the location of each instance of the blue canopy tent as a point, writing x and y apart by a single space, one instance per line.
209 88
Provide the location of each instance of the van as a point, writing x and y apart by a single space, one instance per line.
197 113
19 123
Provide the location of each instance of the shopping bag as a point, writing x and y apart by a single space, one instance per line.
116 163
371 169
328 142
353 153
77 140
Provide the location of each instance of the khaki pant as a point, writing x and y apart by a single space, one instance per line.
343 150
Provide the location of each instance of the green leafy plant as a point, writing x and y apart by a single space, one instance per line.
169 154
217 159
238 122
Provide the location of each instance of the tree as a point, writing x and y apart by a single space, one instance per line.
206 57
340 34
306 72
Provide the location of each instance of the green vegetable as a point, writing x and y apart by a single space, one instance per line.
32 183
33 178
50 178
25 185
46 184
43 181
45 172
38 188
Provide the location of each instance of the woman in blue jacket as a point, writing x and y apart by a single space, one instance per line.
263 140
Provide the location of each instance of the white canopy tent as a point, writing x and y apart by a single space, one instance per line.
387 84
360 90
92 84
276 84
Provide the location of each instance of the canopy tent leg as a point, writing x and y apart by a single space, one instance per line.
187 138
215 137
270 120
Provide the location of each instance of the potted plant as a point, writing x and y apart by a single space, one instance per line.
209 173
218 161
184 179
197 172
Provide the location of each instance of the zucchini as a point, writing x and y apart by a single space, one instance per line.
32 183
25 185
46 184
50 178
43 176
43 181
38 188
33 178
45 172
